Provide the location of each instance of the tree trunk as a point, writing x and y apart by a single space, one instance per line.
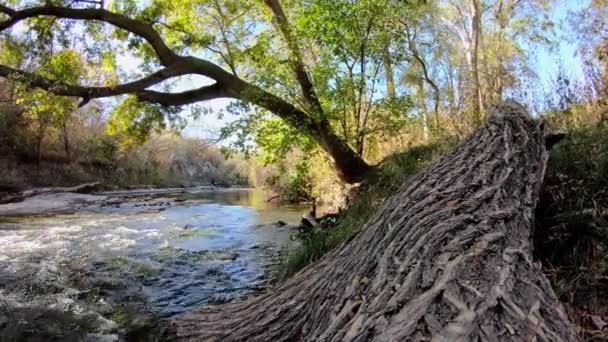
424 111
425 74
350 166
39 138
66 140
308 91
474 64
389 74
446 258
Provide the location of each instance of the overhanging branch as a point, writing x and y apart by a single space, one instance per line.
226 84
205 93
139 28
87 93
175 65
6 10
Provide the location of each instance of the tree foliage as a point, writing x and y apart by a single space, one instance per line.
339 77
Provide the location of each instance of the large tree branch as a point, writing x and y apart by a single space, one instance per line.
205 93
6 10
139 28
227 84
87 93
350 166
176 65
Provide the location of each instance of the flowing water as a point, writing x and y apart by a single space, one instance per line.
121 263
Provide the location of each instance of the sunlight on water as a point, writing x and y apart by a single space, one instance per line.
211 246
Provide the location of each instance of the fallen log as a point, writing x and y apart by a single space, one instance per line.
446 258
309 221
20 196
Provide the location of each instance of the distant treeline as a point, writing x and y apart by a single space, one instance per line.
43 149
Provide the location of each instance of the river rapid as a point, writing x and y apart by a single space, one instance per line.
117 266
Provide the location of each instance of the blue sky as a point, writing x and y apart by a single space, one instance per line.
544 64
546 61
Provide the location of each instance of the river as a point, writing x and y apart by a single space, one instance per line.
110 267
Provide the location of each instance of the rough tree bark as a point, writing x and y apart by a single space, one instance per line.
446 258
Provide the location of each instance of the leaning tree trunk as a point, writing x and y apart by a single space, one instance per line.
446 258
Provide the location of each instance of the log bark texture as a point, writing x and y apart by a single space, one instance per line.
446 258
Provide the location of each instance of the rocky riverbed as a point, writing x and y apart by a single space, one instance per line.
116 266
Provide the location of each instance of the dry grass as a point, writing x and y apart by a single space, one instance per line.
387 178
571 238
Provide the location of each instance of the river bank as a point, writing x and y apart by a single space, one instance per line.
44 201
113 266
